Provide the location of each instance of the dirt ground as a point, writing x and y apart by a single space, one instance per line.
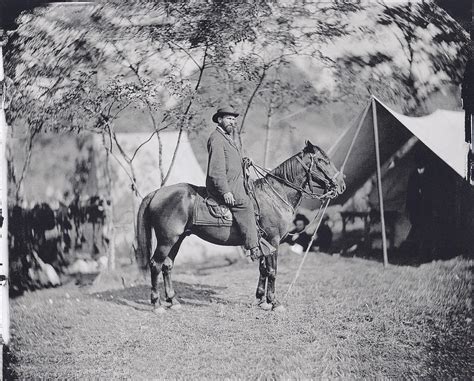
346 318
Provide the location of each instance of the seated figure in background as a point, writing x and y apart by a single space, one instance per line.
324 237
297 238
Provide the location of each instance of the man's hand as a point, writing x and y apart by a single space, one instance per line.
229 198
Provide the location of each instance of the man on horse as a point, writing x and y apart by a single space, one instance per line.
225 178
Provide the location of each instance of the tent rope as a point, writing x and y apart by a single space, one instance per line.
325 204
359 127
318 216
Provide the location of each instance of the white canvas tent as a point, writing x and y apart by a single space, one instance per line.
57 167
146 169
379 132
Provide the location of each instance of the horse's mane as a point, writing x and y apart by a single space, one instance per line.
287 170
291 167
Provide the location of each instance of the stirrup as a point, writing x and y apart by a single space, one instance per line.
266 247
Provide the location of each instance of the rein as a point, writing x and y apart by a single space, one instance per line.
310 194
262 172
279 195
309 171
325 200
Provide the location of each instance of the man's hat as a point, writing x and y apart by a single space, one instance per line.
224 111
301 217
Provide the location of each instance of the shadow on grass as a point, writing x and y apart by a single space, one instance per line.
395 257
405 255
400 257
137 297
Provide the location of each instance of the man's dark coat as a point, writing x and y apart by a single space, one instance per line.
225 174
224 168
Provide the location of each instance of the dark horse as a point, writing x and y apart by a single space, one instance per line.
169 211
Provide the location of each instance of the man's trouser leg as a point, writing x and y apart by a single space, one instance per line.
244 216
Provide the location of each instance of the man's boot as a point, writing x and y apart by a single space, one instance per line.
255 253
266 247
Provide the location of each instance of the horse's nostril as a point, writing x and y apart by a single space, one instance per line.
340 187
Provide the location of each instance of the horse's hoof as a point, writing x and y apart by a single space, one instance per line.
265 306
176 306
155 298
159 310
279 308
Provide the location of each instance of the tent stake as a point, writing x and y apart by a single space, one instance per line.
379 182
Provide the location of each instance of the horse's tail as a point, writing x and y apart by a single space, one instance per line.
143 254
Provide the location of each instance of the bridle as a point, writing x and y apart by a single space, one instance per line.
326 180
308 179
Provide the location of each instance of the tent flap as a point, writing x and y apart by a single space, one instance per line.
442 132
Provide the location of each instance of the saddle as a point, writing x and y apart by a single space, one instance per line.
218 210
209 212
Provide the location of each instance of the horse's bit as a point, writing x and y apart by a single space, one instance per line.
309 172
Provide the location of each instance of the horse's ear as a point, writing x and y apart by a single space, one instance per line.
309 147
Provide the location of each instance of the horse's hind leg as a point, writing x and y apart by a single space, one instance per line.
156 264
170 294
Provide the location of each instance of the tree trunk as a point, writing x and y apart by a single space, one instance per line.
188 107
109 216
271 108
160 158
110 228
249 103
28 151
267 134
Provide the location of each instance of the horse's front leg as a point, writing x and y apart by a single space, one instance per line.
272 273
262 283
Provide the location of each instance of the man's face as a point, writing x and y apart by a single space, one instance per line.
227 123
299 225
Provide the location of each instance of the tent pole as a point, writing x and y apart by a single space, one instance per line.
379 182
4 298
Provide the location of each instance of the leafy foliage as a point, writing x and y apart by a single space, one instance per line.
433 51
81 68
58 57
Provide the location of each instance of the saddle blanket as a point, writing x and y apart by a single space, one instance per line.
209 212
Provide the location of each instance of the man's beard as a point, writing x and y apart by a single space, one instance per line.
228 129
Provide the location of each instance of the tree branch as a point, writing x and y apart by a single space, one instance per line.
249 103
187 53
26 164
181 127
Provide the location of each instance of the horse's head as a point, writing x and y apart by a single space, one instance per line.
321 170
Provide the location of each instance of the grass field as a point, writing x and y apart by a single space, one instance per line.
346 318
